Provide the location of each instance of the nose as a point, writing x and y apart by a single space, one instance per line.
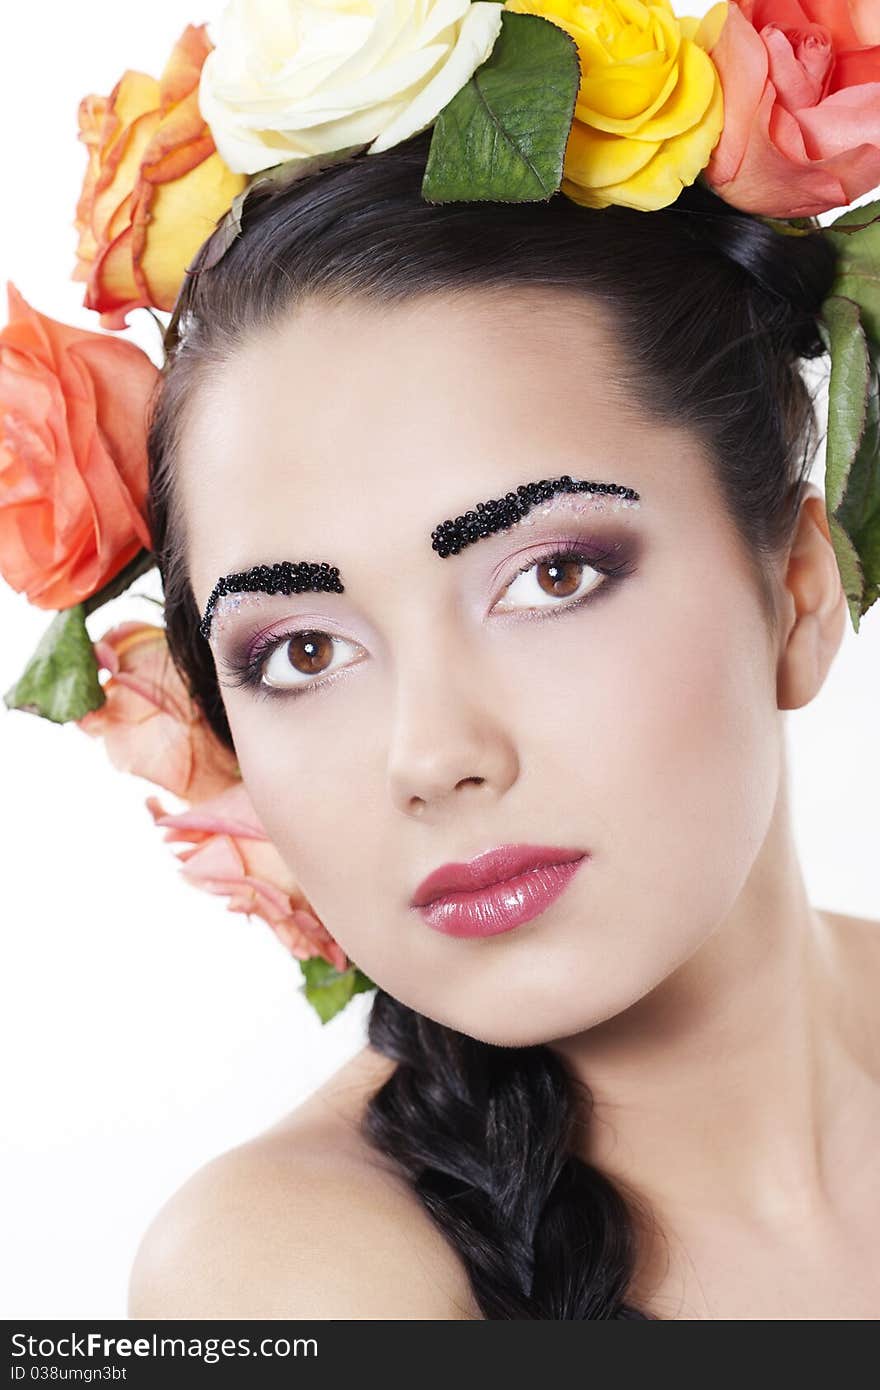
448 735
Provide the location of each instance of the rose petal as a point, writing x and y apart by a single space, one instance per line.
846 20
770 183
480 28
866 20
799 81
741 59
675 165
72 455
594 158
857 66
843 122
691 99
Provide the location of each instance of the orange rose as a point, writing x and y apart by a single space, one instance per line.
801 83
150 725
73 460
231 854
154 187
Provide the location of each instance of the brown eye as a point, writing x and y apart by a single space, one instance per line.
561 578
310 653
558 576
288 661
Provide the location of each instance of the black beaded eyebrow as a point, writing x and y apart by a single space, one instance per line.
498 513
284 577
451 536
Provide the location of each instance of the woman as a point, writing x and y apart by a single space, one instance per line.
640 1084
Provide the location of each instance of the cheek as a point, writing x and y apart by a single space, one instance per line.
312 779
679 747
650 725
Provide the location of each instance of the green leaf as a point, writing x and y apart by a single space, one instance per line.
791 226
852 464
856 235
865 291
850 570
227 229
329 990
847 393
60 682
855 218
859 511
503 135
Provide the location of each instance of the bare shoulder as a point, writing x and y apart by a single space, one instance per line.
856 941
858 936
304 1221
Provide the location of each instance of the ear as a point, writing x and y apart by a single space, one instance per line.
814 606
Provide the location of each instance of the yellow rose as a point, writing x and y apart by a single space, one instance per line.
649 109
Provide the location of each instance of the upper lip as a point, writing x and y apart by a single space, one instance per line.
494 866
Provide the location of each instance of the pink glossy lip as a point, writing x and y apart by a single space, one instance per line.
495 891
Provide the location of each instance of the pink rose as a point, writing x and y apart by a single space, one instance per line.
149 724
801 85
230 853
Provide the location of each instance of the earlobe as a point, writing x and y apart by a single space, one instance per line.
816 603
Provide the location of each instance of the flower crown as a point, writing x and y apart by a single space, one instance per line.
773 104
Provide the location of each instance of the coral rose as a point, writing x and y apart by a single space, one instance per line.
649 108
150 725
73 460
230 853
154 187
801 83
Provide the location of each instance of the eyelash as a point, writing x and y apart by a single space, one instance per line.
248 673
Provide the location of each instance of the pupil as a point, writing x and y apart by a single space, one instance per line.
557 572
310 644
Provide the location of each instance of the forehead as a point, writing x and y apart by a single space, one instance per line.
351 427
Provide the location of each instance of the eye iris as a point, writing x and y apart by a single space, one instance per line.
564 576
313 649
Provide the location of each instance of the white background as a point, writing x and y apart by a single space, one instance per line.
145 1028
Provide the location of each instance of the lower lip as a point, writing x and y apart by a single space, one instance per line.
501 906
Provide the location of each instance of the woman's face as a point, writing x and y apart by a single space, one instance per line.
445 706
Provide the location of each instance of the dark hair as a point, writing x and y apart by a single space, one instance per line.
713 309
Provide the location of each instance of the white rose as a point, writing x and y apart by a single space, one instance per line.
294 79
